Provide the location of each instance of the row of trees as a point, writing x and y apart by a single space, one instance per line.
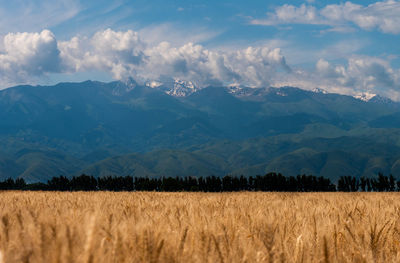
269 182
380 184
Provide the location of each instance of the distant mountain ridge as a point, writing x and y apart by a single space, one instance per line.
176 129
181 88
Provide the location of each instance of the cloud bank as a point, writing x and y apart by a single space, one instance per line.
360 75
382 16
123 54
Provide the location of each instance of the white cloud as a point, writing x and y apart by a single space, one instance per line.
124 54
372 73
289 14
383 16
26 56
108 51
251 66
361 74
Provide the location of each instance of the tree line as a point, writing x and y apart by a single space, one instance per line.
274 182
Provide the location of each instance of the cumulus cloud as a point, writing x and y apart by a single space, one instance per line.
28 54
109 51
383 16
361 74
123 54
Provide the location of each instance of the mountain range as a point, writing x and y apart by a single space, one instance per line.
176 129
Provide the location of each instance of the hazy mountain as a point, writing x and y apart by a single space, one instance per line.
178 129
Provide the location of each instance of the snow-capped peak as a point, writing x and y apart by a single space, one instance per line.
235 89
319 90
153 84
174 87
365 96
182 88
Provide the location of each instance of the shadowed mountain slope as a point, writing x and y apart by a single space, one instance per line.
127 129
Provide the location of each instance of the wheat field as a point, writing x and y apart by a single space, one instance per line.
199 227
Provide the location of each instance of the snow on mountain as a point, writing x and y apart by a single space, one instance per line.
182 88
238 90
153 84
365 96
319 90
174 87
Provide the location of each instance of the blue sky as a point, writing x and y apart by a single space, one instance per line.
346 47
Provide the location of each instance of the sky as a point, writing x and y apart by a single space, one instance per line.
342 47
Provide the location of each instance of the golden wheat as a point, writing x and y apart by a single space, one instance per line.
199 227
